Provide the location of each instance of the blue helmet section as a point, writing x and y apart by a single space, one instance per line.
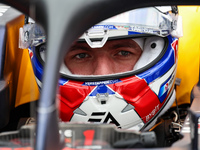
102 89
37 66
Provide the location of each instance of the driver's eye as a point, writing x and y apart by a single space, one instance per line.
124 53
82 55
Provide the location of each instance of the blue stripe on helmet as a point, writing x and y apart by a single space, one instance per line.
101 82
132 32
163 90
37 67
62 81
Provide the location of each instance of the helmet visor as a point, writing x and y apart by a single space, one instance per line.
148 20
139 21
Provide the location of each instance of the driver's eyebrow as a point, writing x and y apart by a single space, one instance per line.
76 47
126 44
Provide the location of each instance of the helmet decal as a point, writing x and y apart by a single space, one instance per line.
132 99
108 119
175 48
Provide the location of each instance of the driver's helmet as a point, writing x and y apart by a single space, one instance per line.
132 99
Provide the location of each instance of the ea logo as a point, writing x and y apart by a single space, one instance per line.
105 118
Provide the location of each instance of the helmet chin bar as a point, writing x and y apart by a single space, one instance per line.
102 33
108 108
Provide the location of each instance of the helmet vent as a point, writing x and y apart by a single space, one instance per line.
102 34
153 45
102 98
128 108
80 112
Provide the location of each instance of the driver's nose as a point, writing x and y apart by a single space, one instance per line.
103 65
